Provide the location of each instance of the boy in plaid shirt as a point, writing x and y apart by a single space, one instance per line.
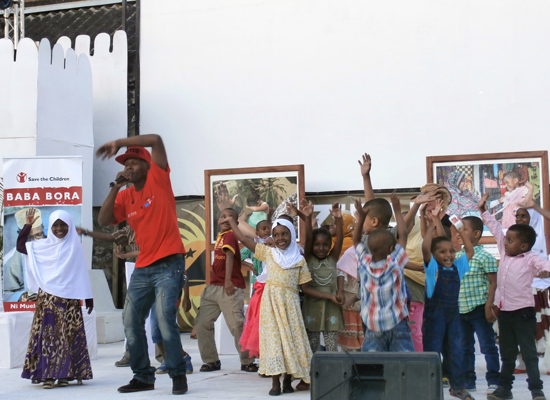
384 297
475 300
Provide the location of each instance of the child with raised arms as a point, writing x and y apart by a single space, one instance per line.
382 259
250 339
441 322
283 340
57 271
323 315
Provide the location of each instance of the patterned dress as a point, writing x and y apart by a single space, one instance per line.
322 315
57 346
283 340
350 338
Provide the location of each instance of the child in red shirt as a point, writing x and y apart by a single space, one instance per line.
224 295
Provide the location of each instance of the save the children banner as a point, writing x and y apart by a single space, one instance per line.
44 183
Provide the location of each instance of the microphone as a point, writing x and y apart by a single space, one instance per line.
117 181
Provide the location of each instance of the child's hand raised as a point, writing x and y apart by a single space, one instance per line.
482 203
424 198
430 219
291 209
29 216
222 197
396 204
365 165
361 210
335 211
438 210
306 207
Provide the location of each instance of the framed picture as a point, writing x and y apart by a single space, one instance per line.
509 178
255 194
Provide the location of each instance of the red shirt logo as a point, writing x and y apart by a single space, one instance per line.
21 177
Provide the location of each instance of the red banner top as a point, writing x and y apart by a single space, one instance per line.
43 196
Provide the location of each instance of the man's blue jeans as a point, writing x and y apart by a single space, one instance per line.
471 322
396 339
160 283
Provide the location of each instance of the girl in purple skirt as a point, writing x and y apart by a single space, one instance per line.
56 270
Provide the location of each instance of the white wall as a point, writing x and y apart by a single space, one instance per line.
18 95
110 103
243 83
48 109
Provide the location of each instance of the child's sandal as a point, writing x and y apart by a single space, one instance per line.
62 382
463 394
48 384
249 368
302 385
212 366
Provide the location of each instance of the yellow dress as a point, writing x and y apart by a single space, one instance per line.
284 347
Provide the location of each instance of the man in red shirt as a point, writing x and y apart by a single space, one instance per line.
149 207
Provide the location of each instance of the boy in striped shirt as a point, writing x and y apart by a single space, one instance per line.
384 296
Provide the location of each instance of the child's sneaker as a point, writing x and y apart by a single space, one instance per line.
162 369
500 393
538 395
445 382
188 365
463 394
491 389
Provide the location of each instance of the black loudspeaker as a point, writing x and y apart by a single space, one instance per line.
376 376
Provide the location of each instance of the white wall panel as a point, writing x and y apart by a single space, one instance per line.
241 83
18 94
65 114
110 77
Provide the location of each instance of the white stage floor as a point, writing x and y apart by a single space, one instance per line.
228 383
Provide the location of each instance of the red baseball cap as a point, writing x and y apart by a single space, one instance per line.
135 152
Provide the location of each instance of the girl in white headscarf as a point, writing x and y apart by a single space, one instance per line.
284 346
56 270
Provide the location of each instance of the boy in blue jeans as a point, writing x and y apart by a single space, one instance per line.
475 301
441 320
383 297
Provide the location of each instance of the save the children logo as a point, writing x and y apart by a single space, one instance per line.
21 177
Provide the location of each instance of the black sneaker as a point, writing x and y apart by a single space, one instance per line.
136 386
179 384
538 394
500 393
